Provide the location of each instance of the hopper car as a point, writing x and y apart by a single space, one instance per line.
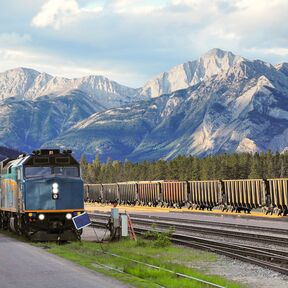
270 195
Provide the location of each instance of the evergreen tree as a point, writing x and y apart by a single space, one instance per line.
160 171
255 170
268 165
84 167
234 166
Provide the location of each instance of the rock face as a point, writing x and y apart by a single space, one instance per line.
28 84
220 103
211 64
37 107
239 105
27 124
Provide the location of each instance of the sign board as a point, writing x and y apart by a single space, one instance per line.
81 221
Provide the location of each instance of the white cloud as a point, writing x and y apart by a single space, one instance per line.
57 66
278 51
136 6
13 39
55 13
145 37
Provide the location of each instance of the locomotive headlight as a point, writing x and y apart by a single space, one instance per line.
68 216
55 188
41 217
55 191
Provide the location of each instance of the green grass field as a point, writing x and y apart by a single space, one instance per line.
98 257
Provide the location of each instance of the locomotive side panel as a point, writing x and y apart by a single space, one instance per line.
9 191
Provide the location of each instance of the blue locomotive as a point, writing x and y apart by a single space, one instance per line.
40 193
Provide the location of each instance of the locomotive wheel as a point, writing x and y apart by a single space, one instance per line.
5 223
1 221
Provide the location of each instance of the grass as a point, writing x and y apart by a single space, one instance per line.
96 256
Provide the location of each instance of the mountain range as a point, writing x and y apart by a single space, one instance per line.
220 103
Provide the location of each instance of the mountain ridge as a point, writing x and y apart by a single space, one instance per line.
241 108
219 103
29 84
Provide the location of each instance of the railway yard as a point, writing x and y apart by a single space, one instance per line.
250 249
242 220
253 247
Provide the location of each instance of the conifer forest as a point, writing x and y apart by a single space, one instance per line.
228 166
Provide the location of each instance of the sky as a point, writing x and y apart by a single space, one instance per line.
131 41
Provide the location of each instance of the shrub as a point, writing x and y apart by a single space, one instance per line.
160 239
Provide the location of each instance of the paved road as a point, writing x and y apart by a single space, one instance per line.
25 266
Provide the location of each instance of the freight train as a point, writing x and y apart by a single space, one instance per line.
270 195
40 193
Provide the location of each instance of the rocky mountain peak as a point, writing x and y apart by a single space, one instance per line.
29 84
216 61
219 103
212 63
283 67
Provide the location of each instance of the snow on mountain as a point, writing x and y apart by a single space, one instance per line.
234 105
220 103
283 67
215 65
188 74
23 83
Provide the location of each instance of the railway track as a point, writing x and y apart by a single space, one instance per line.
274 259
227 230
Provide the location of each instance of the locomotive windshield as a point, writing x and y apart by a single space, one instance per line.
66 171
37 171
31 172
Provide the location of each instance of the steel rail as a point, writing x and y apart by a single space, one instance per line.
273 259
218 232
212 223
262 260
251 254
204 222
165 269
281 239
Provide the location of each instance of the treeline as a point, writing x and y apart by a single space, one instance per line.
232 166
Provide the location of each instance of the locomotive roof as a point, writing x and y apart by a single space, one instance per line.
45 154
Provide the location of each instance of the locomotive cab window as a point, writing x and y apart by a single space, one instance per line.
67 171
31 172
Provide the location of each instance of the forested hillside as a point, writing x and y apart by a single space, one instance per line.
233 166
